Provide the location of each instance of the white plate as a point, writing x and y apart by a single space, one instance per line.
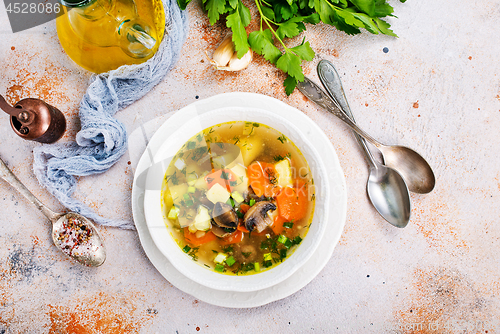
338 203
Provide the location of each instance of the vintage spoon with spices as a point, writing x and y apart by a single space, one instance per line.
72 233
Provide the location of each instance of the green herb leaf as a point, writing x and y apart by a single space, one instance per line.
183 3
290 29
268 12
288 18
237 21
233 3
384 27
214 8
304 51
261 42
290 83
290 63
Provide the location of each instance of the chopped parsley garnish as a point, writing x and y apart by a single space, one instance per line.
246 254
278 158
220 268
173 179
186 249
198 153
193 252
225 175
287 225
228 249
282 139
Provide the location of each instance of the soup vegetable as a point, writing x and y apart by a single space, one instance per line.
239 197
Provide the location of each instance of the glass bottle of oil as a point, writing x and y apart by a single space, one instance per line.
102 35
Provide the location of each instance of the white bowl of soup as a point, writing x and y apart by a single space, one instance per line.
236 199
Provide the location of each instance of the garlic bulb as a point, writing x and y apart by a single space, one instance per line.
226 59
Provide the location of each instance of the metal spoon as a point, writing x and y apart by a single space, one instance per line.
413 168
386 188
72 233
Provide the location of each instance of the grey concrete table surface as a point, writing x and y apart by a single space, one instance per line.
436 88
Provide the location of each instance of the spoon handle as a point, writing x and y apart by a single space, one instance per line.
322 99
7 175
331 81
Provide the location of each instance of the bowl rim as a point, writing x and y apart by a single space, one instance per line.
155 216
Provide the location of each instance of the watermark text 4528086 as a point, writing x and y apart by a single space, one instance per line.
26 14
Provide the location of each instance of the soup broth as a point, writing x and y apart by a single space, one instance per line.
238 197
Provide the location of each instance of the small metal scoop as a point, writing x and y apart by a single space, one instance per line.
72 233
33 119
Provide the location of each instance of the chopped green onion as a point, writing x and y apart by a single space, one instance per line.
297 240
256 266
186 196
230 201
230 261
240 214
288 243
282 239
283 253
219 268
267 264
288 225
186 249
189 203
191 190
252 202
268 257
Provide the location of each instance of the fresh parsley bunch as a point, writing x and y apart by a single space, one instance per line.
282 19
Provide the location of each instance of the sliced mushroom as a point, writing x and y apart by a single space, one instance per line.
224 215
257 218
250 194
221 232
